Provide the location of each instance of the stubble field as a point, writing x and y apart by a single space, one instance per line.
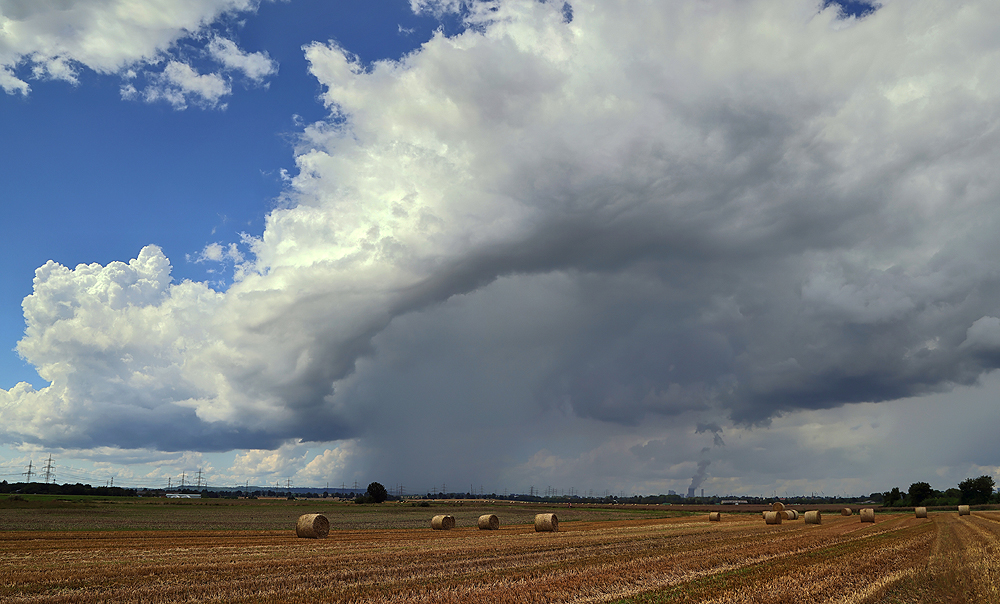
174 553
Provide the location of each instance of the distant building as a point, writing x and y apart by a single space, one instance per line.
183 495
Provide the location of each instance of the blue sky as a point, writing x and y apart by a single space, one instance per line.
501 244
112 176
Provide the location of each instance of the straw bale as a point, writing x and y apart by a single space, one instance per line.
545 523
813 517
963 510
846 512
489 522
443 522
772 517
312 526
777 506
715 516
920 512
867 515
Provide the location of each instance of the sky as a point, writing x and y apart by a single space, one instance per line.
745 246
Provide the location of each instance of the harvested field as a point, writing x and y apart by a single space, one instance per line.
252 515
899 558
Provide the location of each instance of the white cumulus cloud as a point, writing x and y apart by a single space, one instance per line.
180 84
56 39
256 65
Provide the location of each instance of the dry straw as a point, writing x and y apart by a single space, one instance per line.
813 517
920 512
489 522
443 522
546 523
846 512
715 516
867 515
963 510
777 506
772 517
312 526
789 515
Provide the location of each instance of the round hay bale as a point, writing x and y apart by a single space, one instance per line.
846 512
793 514
777 506
920 512
772 517
715 516
546 523
867 515
813 517
443 522
963 510
312 526
489 522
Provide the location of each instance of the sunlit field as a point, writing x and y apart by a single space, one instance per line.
247 552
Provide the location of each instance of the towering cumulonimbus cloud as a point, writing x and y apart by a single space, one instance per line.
731 209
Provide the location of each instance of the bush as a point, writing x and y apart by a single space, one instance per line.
893 497
940 501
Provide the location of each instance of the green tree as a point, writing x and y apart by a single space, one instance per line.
976 490
377 493
891 498
918 492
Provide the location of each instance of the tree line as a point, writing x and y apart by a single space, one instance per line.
44 488
971 491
